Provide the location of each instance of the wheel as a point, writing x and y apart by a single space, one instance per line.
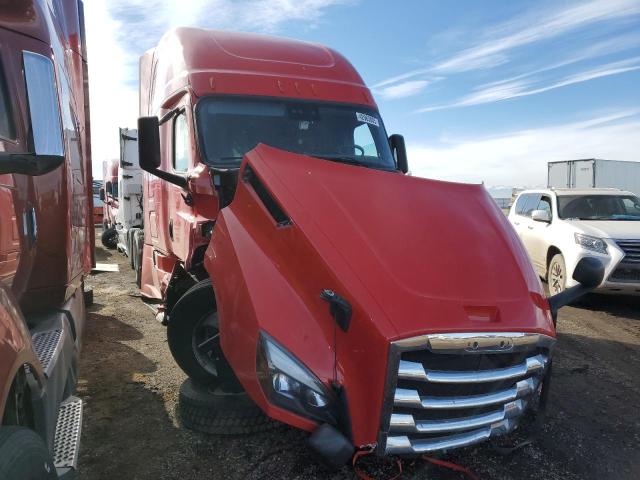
557 274
24 455
193 335
214 411
110 238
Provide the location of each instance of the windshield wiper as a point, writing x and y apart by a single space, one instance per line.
343 159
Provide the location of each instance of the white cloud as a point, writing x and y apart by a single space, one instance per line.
510 88
520 158
495 45
119 31
405 89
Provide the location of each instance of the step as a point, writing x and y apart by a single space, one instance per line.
66 444
45 345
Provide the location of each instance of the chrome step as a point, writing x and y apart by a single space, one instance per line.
66 444
46 345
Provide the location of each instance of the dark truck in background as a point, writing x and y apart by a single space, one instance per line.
299 268
46 234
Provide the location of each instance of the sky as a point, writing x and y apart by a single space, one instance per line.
482 91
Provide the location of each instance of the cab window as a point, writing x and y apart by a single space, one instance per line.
7 130
180 143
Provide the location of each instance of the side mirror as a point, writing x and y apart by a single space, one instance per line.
29 163
541 216
399 151
589 272
102 194
108 188
149 151
149 143
45 150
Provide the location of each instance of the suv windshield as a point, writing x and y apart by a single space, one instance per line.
599 207
228 127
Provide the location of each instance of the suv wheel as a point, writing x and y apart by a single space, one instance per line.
557 274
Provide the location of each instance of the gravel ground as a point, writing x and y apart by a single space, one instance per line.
130 384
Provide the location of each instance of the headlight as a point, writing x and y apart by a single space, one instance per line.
287 383
591 243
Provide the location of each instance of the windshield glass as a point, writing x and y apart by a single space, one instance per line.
229 127
599 207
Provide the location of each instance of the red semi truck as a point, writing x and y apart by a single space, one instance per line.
46 234
295 261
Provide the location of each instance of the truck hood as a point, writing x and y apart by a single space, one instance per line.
427 255
615 229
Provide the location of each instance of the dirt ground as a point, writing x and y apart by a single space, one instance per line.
130 383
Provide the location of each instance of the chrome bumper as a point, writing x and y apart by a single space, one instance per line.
435 401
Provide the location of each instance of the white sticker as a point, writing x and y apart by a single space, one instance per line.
363 117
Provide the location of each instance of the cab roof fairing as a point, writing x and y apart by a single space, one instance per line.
219 62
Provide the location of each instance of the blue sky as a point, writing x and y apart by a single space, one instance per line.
483 91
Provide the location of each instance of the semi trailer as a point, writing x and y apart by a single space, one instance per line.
298 267
594 173
46 234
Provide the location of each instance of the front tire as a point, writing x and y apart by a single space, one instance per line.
110 238
23 455
193 334
212 410
557 274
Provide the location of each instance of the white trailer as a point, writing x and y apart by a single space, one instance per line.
129 217
594 173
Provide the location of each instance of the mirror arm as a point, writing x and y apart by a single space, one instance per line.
175 178
169 115
559 300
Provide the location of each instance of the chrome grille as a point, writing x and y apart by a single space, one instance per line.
631 249
453 390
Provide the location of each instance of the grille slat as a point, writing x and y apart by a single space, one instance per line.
408 423
631 249
472 388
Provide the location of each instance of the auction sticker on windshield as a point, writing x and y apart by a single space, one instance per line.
363 117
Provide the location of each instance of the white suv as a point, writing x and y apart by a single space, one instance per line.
558 227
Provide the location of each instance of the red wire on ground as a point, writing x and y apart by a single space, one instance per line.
452 466
364 476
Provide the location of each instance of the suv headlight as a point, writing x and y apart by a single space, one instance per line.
591 243
287 383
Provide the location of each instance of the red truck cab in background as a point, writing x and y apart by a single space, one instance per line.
109 197
46 233
292 256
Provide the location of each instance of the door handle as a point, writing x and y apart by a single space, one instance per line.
529 227
516 223
171 229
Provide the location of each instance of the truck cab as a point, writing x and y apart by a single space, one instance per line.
293 259
109 195
46 234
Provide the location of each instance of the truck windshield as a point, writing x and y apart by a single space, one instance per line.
599 207
229 127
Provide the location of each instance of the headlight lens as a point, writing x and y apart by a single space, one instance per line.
287 383
591 243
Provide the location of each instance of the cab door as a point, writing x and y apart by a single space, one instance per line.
538 236
181 215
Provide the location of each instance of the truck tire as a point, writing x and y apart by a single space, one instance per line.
557 274
24 455
211 410
110 238
192 320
